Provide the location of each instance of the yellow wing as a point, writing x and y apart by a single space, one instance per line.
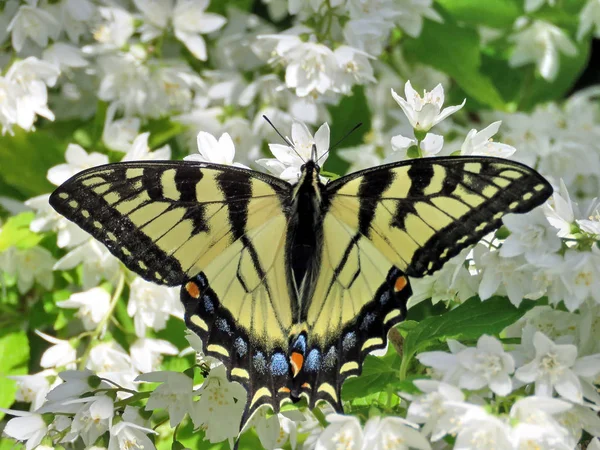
219 231
387 223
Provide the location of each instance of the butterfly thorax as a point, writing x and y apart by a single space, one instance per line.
305 233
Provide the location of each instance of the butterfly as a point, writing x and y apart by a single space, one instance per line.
291 285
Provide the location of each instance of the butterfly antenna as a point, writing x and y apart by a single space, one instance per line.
331 147
286 140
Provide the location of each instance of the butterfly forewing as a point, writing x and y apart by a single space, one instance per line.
421 213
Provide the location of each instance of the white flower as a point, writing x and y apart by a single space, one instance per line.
211 150
110 361
140 150
25 88
76 15
76 383
355 67
411 14
33 388
480 431
127 435
509 276
29 265
150 305
589 18
311 68
26 426
119 134
289 160
556 367
486 365
47 219
64 56
481 143
190 20
174 394
126 79
77 160
535 426
33 23
342 432
445 364
113 31
275 430
540 43
98 263
93 419
433 409
580 274
530 235
146 354
368 34
92 305
61 354
560 211
430 146
220 407
424 112
393 432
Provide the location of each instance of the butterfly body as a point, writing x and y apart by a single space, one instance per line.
292 285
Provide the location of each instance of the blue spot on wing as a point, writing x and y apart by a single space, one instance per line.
313 361
349 341
279 364
260 363
208 304
240 346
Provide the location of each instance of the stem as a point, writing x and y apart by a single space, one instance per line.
132 399
404 366
98 331
320 417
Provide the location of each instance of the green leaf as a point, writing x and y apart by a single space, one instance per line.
14 356
491 13
163 130
467 322
25 159
376 375
16 232
455 50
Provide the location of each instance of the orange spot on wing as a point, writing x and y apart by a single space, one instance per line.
400 284
296 360
305 386
192 289
284 389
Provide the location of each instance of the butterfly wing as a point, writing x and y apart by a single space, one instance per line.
219 231
390 222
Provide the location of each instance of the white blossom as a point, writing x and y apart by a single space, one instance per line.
481 143
430 146
220 407
151 305
289 160
127 435
113 30
589 19
34 23
77 160
29 266
556 367
530 235
393 432
92 306
140 150
540 43
146 353
33 388
26 426
119 134
342 432
211 150
424 112
174 394
93 419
